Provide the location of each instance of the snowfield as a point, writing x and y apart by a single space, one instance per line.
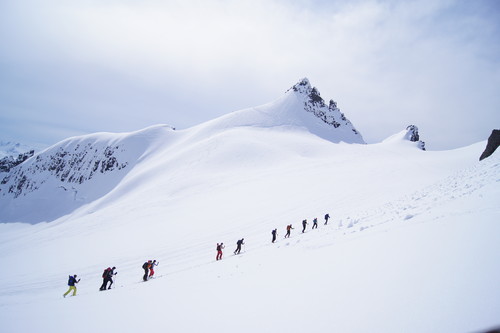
412 245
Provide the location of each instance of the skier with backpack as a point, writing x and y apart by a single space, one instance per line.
327 216
107 276
315 223
111 274
152 268
72 281
145 267
239 243
219 249
288 228
274 233
304 224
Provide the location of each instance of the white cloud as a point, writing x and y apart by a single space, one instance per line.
387 63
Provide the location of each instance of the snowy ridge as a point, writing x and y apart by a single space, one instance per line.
300 109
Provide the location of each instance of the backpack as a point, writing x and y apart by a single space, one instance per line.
145 265
105 273
71 280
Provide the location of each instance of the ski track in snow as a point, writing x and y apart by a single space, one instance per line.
396 213
462 184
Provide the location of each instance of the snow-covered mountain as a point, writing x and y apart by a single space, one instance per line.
68 172
71 173
411 246
301 107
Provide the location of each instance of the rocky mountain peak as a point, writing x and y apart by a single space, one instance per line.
330 114
302 87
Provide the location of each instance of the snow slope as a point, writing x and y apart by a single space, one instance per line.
412 245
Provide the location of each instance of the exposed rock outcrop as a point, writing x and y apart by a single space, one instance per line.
492 145
329 114
413 136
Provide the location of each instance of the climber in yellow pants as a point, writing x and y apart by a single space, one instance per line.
71 283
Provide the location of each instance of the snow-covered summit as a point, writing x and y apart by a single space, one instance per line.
300 108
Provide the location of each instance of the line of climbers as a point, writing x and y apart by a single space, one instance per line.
148 266
109 273
274 233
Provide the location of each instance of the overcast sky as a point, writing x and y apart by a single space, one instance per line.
74 67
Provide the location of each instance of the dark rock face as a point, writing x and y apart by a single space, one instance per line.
493 143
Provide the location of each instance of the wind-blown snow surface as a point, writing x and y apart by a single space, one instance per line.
412 245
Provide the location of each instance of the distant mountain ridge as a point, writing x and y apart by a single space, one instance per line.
10 148
75 171
80 170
